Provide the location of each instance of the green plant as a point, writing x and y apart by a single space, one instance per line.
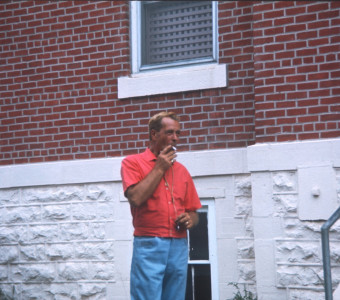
247 295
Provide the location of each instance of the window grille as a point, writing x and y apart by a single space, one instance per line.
175 31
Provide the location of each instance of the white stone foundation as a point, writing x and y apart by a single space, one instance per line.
66 232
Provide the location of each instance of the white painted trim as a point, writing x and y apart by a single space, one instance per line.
200 163
136 36
180 79
257 158
171 79
291 155
208 206
61 172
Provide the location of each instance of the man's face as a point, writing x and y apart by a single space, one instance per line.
168 135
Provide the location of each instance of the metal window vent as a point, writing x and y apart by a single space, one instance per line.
177 30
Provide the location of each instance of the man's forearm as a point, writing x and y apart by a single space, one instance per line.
142 191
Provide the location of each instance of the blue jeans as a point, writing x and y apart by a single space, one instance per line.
159 268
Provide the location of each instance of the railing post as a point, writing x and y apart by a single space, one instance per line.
326 253
326 264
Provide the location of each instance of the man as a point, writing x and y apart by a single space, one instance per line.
163 202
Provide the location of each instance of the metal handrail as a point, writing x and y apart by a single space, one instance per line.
326 253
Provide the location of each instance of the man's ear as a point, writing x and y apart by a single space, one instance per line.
153 133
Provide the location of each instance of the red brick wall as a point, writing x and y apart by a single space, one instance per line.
297 70
60 60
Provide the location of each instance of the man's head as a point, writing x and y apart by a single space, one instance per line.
164 130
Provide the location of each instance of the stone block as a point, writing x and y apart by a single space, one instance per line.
20 214
297 251
225 208
105 211
303 294
317 192
265 263
62 291
230 227
227 260
74 271
46 194
285 205
61 251
284 182
13 234
103 271
97 230
43 233
92 250
267 228
38 272
299 276
243 206
84 211
245 248
3 272
92 290
262 189
242 185
119 290
9 196
99 192
209 192
74 231
35 252
246 270
123 255
294 228
59 212
122 230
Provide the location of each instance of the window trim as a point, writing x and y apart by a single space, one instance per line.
136 36
182 78
208 205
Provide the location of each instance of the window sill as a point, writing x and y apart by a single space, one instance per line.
183 79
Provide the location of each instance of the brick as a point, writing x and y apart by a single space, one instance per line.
330 83
61 33
295 28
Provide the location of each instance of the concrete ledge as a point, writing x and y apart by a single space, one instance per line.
179 79
200 163
290 155
61 172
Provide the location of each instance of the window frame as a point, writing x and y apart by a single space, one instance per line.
180 78
208 205
136 45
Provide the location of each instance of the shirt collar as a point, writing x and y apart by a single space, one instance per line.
149 156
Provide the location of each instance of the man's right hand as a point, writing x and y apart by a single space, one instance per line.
166 158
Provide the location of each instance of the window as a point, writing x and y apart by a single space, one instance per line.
175 33
173 48
202 267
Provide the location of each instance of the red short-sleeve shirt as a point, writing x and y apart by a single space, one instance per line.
156 217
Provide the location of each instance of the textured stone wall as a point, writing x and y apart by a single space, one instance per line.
73 241
288 249
298 252
63 242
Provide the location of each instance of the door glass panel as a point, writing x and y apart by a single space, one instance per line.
198 283
199 273
198 239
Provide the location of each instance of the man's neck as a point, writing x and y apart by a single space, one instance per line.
153 150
